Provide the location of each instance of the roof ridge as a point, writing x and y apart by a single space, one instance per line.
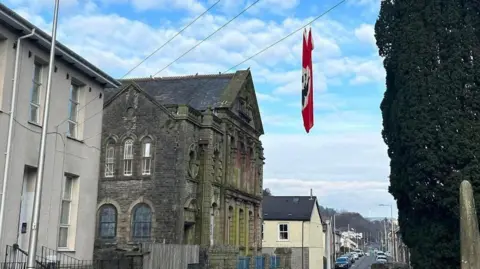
179 77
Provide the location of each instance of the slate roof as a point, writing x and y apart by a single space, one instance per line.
197 91
288 207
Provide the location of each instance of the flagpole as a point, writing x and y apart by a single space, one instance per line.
32 245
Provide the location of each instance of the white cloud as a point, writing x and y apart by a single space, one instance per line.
366 33
267 97
354 166
189 5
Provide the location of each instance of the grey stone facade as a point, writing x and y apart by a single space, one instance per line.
207 162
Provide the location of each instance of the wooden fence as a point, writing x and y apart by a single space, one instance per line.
162 256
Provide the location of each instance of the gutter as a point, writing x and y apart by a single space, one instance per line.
10 128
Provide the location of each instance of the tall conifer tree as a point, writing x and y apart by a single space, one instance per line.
431 118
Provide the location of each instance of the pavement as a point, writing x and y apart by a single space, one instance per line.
364 262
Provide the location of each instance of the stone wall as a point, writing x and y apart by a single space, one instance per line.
133 116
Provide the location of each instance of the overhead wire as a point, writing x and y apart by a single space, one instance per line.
168 41
173 37
206 38
153 53
250 57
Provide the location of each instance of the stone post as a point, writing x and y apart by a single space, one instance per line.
285 255
266 261
469 233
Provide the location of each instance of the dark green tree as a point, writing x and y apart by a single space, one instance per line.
431 119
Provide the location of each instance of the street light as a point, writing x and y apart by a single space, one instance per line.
393 232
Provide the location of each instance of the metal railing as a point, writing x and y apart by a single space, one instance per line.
16 258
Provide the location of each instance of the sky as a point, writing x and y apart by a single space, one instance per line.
343 159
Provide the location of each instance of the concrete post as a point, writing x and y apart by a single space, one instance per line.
469 233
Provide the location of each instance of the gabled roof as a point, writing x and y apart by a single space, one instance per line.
11 19
197 91
288 207
134 86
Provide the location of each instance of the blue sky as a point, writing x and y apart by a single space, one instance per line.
343 159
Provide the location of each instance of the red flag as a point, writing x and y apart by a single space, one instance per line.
307 80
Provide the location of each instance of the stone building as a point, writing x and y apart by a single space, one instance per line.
182 163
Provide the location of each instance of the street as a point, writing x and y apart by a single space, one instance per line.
364 262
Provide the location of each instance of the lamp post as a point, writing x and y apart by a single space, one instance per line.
393 230
37 198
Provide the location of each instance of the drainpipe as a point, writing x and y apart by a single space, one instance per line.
10 129
303 222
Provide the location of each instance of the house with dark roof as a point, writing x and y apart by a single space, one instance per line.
294 222
68 201
182 163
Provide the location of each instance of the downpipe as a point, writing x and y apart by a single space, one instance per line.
10 129
303 236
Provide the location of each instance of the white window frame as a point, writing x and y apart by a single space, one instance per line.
36 85
110 161
128 158
66 201
147 159
280 232
74 100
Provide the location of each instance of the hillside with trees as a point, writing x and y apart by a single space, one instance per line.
343 219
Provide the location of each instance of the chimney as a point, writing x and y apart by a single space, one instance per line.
311 194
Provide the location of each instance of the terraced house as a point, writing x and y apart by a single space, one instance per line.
72 156
182 163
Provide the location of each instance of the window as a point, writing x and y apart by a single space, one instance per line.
110 161
142 222
263 225
147 158
35 94
73 111
212 225
66 212
128 157
283 231
107 226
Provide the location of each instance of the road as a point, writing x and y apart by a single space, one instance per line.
364 262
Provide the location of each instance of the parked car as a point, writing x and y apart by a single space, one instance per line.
342 263
381 259
350 257
359 252
355 255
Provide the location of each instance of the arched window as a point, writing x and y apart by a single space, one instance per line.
107 222
128 158
142 222
110 160
213 213
147 157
